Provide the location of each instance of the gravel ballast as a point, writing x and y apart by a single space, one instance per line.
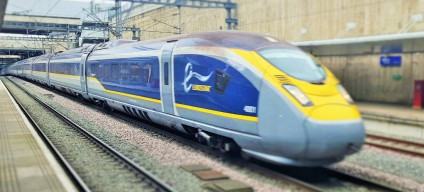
160 155
163 156
393 168
99 171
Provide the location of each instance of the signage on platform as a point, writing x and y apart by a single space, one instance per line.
391 61
391 49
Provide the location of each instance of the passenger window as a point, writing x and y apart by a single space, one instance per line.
70 68
76 69
134 73
124 72
93 70
108 72
60 68
147 73
99 73
115 71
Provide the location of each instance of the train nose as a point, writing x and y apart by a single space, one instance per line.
333 138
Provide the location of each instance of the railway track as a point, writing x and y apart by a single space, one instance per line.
73 175
321 180
301 181
402 146
151 182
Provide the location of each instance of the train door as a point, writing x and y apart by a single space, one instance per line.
48 69
167 78
83 74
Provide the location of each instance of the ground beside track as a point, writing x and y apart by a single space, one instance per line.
166 156
162 156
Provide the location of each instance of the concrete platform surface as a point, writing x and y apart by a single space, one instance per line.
391 111
26 164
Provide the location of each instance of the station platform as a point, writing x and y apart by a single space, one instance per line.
397 121
391 111
26 164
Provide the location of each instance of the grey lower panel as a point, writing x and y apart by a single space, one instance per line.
67 85
333 138
112 98
238 125
280 124
245 140
40 79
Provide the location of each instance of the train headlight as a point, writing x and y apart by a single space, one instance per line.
298 94
345 93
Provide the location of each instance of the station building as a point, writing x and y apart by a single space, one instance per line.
373 47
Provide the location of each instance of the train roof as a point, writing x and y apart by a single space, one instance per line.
225 38
237 39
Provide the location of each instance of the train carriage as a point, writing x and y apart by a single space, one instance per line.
64 70
26 67
40 67
230 89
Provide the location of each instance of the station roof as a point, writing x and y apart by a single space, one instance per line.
3 4
363 39
379 44
22 24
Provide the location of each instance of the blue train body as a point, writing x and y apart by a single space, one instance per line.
226 88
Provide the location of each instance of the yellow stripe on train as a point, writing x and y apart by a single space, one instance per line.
218 113
124 94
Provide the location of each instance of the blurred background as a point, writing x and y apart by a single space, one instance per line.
373 46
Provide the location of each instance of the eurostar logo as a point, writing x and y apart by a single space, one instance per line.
204 88
190 74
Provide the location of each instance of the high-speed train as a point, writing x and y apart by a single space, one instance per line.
232 90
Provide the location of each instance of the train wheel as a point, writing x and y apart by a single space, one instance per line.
245 156
80 97
105 106
226 145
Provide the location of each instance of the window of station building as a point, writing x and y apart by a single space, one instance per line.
134 73
107 71
124 72
147 73
115 71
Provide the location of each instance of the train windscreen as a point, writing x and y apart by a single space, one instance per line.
295 63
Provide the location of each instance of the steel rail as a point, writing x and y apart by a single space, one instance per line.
154 181
259 167
398 145
362 181
169 133
73 175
